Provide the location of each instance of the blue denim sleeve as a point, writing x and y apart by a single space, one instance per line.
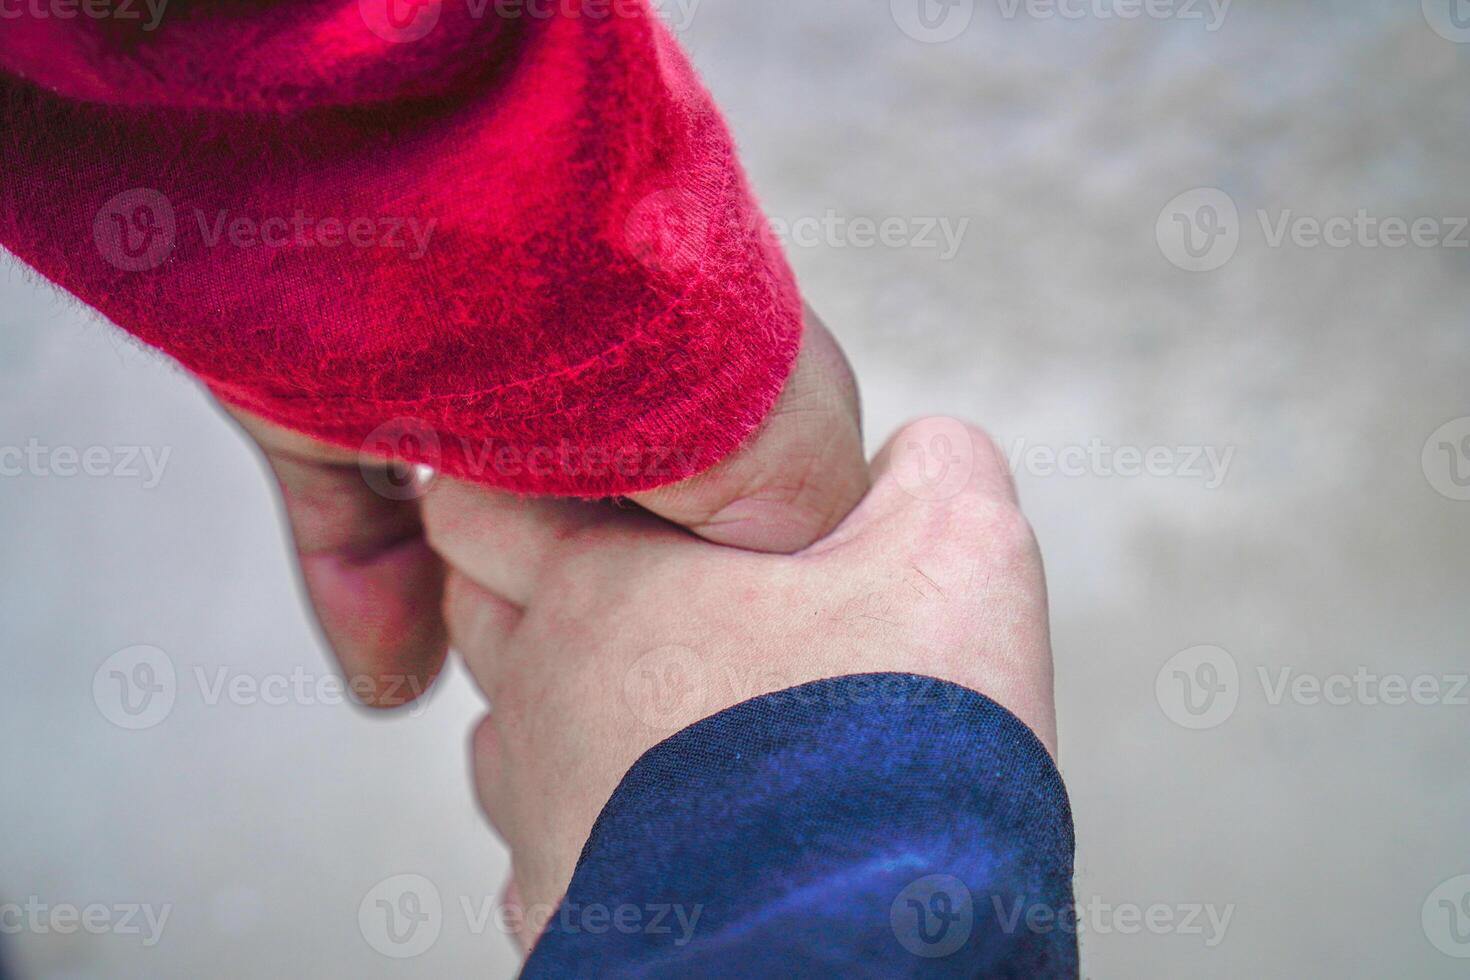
875 825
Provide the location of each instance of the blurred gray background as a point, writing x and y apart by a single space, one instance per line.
1335 380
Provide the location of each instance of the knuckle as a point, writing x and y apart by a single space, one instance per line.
999 526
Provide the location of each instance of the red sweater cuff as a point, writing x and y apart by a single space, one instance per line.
518 249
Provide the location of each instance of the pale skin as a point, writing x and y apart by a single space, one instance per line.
597 630
595 633
376 586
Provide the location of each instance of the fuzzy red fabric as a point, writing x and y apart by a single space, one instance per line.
510 240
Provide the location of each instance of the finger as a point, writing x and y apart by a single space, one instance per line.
373 582
500 540
941 458
800 474
487 768
514 913
480 624
928 470
943 515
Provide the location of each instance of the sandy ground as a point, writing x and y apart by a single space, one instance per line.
1228 826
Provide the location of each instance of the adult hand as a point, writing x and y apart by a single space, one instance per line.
596 633
376 585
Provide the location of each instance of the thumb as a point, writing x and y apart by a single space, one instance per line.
797 477
935 476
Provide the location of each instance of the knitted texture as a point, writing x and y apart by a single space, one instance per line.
509 241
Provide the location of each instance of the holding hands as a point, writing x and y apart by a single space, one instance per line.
598 630
595 633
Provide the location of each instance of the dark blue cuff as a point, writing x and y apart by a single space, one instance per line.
876 825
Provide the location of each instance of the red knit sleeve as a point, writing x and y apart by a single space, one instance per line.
506 238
